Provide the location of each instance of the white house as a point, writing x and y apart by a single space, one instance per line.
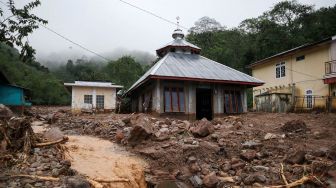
93 95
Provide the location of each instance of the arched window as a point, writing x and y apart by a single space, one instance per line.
309 98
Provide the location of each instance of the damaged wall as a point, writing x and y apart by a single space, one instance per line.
274 102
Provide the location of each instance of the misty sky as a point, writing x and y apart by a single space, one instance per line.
106 25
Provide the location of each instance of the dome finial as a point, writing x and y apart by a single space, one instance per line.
178 22
178 34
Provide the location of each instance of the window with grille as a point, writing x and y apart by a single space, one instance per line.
174 100
100 101
309 97
88 99
280 70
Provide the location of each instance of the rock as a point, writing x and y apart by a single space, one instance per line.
194 168
77 182
249 180
260 168
248 155
53 134
202 128
210 180
164 130
139 133
251 144
260 178
196 181
188 140
192 159
35 165
119 136
127 120
226 167
66 163
55 172
296 158
269 136
294 126
238 165
226 179
5 112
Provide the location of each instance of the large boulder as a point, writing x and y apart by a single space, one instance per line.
141 130
202 128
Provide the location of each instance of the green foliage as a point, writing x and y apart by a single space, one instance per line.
17 24
124 71
287 25
44 87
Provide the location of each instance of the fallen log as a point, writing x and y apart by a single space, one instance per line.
111 180
44 178
63 140
283 174
94 183
301 181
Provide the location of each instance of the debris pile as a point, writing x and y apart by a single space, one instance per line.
254 149
27 159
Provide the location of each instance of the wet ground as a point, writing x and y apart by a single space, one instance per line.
104 160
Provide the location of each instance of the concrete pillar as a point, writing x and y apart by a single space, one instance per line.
157 96
94 98
73 97
244 97
192 99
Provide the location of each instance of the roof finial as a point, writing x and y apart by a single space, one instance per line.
178 22
178 34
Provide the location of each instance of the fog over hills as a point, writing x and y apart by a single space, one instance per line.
55 59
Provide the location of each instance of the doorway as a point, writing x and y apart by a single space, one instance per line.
203 103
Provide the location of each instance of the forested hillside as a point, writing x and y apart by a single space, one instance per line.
44 87
124 71
287 25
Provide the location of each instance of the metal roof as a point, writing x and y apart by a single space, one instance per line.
93 84
180 42
293 50
195 67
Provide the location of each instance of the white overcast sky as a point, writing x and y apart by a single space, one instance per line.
106 25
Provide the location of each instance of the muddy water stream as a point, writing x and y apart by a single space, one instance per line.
104 160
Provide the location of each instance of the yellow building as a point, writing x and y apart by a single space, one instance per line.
300 79
93 95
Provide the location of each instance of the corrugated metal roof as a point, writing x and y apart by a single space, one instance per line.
194 66
93 84
265 60
180 42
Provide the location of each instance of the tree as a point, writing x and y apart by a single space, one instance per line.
124 71
286 13
17 24
206 24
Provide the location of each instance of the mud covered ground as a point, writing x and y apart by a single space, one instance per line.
241 150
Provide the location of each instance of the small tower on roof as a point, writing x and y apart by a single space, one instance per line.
178 45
